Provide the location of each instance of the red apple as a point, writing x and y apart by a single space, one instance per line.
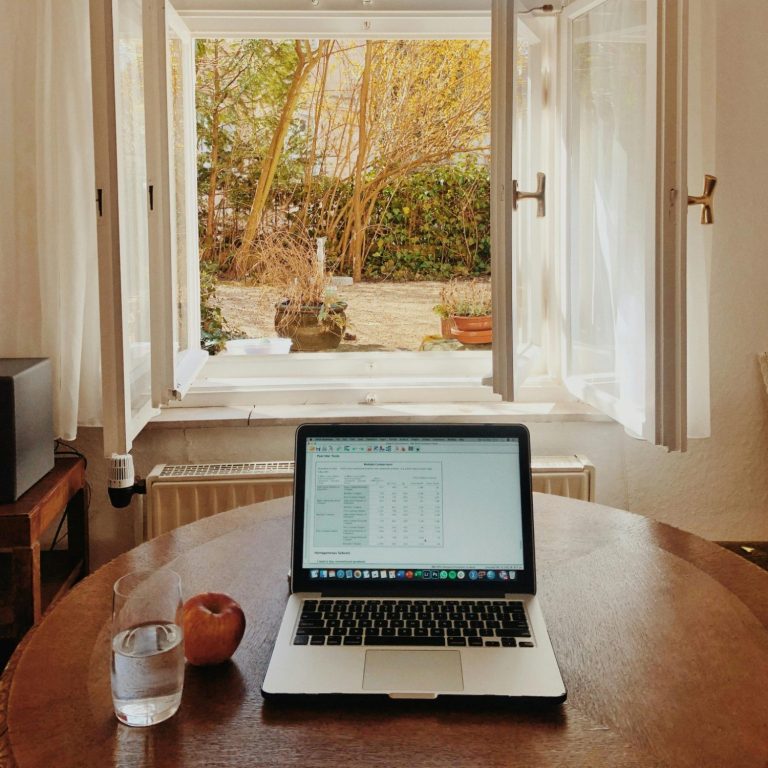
213 626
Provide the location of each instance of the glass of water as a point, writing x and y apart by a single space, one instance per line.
147 647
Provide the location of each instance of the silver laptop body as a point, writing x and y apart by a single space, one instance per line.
413 570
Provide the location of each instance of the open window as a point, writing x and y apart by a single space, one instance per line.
117 54
143 76
623 211
588 107
171 140
324 138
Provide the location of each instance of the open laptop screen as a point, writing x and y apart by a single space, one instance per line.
429 509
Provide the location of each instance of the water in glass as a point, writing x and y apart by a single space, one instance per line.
147 672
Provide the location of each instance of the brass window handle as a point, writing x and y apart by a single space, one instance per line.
538 195
705 200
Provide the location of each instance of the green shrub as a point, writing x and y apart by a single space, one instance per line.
215 331
433 225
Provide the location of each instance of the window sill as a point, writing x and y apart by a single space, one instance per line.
287 390
338 380
292 415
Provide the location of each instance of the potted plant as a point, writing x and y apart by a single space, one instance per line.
310 312
466 305
446 326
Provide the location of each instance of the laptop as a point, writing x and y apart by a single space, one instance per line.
413 573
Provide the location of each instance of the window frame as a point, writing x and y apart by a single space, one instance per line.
669 372
121 421
664 419
339 19
176 362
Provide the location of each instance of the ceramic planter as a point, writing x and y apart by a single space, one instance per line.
306 330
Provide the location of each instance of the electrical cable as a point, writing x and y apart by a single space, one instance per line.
58 530
65 449
56 539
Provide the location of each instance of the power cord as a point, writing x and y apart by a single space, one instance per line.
65 449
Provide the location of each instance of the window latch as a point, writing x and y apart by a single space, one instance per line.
538 195
705 200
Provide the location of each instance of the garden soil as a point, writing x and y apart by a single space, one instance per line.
381 316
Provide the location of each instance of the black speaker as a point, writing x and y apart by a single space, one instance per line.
26 425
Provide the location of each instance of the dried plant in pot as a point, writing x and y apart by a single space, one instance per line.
468 305
310 311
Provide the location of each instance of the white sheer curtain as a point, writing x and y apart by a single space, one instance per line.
48 258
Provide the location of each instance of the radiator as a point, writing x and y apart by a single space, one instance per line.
182 493
569 476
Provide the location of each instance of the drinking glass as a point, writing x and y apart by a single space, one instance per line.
147 647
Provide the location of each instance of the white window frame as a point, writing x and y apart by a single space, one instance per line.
669 374
121 424
665 412
410 376
169 372
173 370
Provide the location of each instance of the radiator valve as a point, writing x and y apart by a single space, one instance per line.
122 482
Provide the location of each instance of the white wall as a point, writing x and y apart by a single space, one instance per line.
719 488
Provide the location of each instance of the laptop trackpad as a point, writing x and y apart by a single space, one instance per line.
413 671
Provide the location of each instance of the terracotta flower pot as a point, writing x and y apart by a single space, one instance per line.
305 328
473 330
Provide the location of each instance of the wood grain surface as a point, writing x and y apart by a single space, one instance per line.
661 638
36 578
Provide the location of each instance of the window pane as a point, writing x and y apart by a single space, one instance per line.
132 190
528 234
611 173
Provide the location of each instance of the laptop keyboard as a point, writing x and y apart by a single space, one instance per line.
456 623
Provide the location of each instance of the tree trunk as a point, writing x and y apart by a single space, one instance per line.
358 232
312 157
210 224
304 66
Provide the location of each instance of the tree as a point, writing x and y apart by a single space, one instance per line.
418 104
306 60
240 87
363 147
309 137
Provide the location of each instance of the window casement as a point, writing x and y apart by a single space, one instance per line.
171 163
550 276
622 180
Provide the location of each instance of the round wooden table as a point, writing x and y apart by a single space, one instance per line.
661 638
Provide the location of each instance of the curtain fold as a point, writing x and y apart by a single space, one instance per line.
49 275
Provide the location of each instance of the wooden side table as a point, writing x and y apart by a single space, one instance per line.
30 580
